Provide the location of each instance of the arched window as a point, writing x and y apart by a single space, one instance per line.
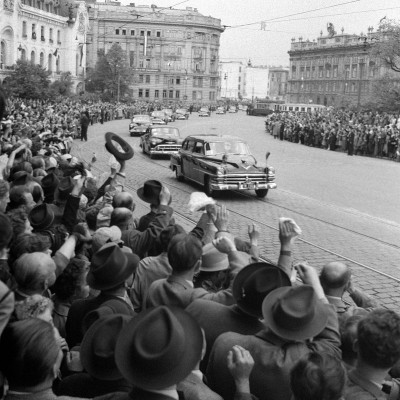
76 64
58 64
50 62
41 61
33 57
23 55
24 29
3 50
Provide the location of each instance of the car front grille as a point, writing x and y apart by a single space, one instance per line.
167 147
246 178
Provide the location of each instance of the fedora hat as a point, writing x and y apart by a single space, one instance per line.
110 267
254 282
98 347
41 217
213 260
294 313
159 347
150 192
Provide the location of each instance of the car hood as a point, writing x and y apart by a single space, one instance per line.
166 139
236 163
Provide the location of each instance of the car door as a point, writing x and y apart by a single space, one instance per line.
186 156
198 153
145 139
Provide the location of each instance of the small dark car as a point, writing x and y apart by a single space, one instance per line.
161 140
139 125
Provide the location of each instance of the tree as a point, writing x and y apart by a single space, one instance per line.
385 95
29 81
387 45
63 85
111 73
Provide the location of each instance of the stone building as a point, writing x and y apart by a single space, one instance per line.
334 70
232 77
46 33
277 83
173 53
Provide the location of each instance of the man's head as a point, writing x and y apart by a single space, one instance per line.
34 273
184 253
348 335
335 277
121 217
378 339
123 199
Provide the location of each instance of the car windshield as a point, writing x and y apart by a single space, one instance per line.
181 111
203 109
167 111
227 147
158 114
165 132
141 119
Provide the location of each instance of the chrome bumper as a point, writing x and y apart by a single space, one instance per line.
242 186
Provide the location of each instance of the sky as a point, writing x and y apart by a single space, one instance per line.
270 46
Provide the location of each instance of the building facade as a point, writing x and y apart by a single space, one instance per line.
277 82
173 53
333 70
46 33
233 79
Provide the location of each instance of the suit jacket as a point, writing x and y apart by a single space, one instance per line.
136 394
80 308
193 388
273 356
217 318
176 291
359 388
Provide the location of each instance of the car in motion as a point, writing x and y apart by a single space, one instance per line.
161 140
139 125
182 113
159 118
232 109
219 162
204 112
169 113
220 110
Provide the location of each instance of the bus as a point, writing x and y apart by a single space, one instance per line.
307 107
264 107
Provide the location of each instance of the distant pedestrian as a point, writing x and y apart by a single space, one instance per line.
84 126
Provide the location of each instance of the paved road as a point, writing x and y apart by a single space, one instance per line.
346 206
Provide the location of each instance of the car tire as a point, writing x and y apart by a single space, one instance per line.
261 193
207 187
127 154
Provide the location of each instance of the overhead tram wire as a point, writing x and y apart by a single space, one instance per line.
291 15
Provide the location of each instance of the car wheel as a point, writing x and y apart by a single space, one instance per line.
261 193
180 178
209 191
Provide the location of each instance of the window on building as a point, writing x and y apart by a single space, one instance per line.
132 32
157 50
302 72
141 48
42 33
177 94
131 58
179 50
211 96
117 31
147 78
3 53
372 70
178 81
33 31
140 92
141 63
58 63
320 72
334 87
328 72
33 55
158 34
156 94
157 78
59 37
307 72
354 71
164 93
148 62
141 33
147 93
148 33
124 32
50 62
24 29
335 71
353 87
141 78
240 69
194 95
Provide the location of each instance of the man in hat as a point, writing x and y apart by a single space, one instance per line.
141 242
292 317
110 270
157 350
84 126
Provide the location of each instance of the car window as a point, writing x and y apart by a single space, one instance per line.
199 148
165 132
228 147
189 145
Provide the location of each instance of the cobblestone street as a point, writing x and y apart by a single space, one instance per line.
347 207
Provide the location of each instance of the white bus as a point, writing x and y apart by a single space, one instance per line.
299 107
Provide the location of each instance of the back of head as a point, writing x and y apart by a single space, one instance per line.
167 234
123 199
348 335
38 162
378 338
121 217
18 196
318 376
334 275
29 243
184 251
29 351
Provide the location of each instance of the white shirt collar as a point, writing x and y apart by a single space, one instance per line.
166 392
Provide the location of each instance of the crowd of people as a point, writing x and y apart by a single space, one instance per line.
98 302
367 134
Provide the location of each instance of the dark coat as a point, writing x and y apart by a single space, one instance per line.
136 394
273 356
217 318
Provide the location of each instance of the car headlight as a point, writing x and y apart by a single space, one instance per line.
220 171
155 141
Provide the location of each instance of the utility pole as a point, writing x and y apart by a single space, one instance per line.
118 88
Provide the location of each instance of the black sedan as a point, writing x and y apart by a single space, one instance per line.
161 140
139 125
